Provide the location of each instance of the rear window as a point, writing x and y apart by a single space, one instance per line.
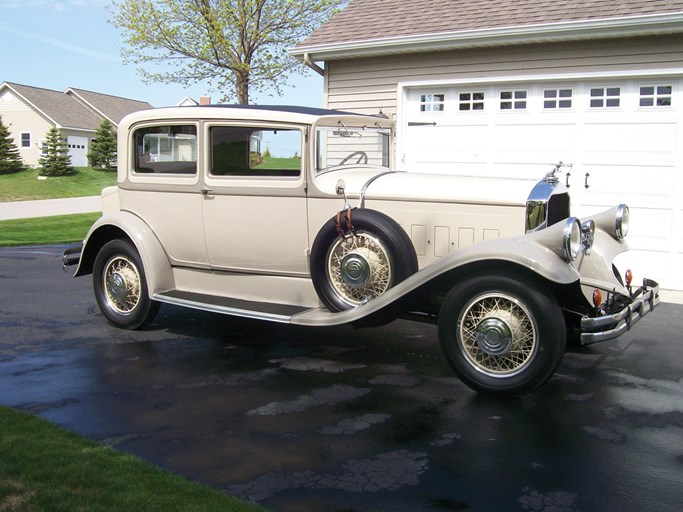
166 149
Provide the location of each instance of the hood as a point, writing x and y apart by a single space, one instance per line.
405 186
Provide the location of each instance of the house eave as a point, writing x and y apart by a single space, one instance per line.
632 26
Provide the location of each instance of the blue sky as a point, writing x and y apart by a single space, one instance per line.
58 44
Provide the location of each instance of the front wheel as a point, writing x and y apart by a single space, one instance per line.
502 336
121 287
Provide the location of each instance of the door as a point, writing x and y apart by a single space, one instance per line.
254 199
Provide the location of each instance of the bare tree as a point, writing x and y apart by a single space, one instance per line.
233 45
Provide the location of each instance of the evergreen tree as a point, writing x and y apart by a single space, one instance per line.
55 160
10 160
102 151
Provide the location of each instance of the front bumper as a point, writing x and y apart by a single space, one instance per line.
613 325
71 256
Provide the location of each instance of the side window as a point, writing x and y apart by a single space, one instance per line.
167 149
255 151
25 140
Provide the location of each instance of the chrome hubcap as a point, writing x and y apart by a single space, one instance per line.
494 336
355 270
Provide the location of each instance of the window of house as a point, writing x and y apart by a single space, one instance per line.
432 102
655 95
470 101
605 97
166 149
25 140
557 98
254 151
513 100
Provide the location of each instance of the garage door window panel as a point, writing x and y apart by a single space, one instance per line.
554 99
470 101
513 100
656 95
605 97
432 102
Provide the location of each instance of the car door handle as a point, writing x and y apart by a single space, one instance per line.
205 190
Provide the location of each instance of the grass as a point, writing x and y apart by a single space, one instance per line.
43 467
25 185
59 229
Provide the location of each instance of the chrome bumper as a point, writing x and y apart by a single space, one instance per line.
71 256
612 326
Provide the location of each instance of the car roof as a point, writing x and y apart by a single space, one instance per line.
281 113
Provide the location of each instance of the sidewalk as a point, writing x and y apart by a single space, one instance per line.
49 207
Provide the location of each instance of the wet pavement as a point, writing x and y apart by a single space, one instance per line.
341 419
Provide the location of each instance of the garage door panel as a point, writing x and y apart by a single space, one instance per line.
631 151
530 138
610 185
646 264
628 138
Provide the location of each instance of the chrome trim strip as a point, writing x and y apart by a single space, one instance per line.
612 326
361 201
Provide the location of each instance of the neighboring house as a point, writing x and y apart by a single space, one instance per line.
490 88
30 112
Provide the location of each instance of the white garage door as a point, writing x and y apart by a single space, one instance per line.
623 138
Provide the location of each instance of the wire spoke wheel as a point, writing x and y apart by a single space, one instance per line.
502 334
122 285
359 268
497 335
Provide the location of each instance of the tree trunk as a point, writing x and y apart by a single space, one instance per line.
242 89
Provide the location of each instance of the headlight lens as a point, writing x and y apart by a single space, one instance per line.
571 245
622 221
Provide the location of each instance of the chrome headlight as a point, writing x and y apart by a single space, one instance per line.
622 221
571 241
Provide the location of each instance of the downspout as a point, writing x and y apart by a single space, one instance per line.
313 65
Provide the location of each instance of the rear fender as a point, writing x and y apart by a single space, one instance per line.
125 225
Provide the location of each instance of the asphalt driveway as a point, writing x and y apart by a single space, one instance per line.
341 419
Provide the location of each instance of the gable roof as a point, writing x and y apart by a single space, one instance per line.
373 27
75 108
113 108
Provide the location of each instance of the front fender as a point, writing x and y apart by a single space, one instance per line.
523 251
123 224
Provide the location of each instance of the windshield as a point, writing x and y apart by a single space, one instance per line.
351 145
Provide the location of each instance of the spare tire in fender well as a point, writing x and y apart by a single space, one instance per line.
358 255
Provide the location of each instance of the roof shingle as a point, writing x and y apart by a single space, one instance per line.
364 20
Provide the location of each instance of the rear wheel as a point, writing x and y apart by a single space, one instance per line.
500 335
121 287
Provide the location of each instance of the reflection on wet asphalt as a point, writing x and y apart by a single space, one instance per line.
341 419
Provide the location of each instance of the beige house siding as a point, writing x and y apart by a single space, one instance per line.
367 84
20 118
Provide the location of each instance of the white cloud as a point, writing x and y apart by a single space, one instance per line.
63 45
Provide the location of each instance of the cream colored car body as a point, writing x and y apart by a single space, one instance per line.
294 215
249 238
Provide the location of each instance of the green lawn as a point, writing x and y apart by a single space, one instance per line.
43 467
60 229
25 185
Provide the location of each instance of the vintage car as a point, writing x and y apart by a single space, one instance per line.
295 215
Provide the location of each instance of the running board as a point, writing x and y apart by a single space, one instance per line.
282 313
